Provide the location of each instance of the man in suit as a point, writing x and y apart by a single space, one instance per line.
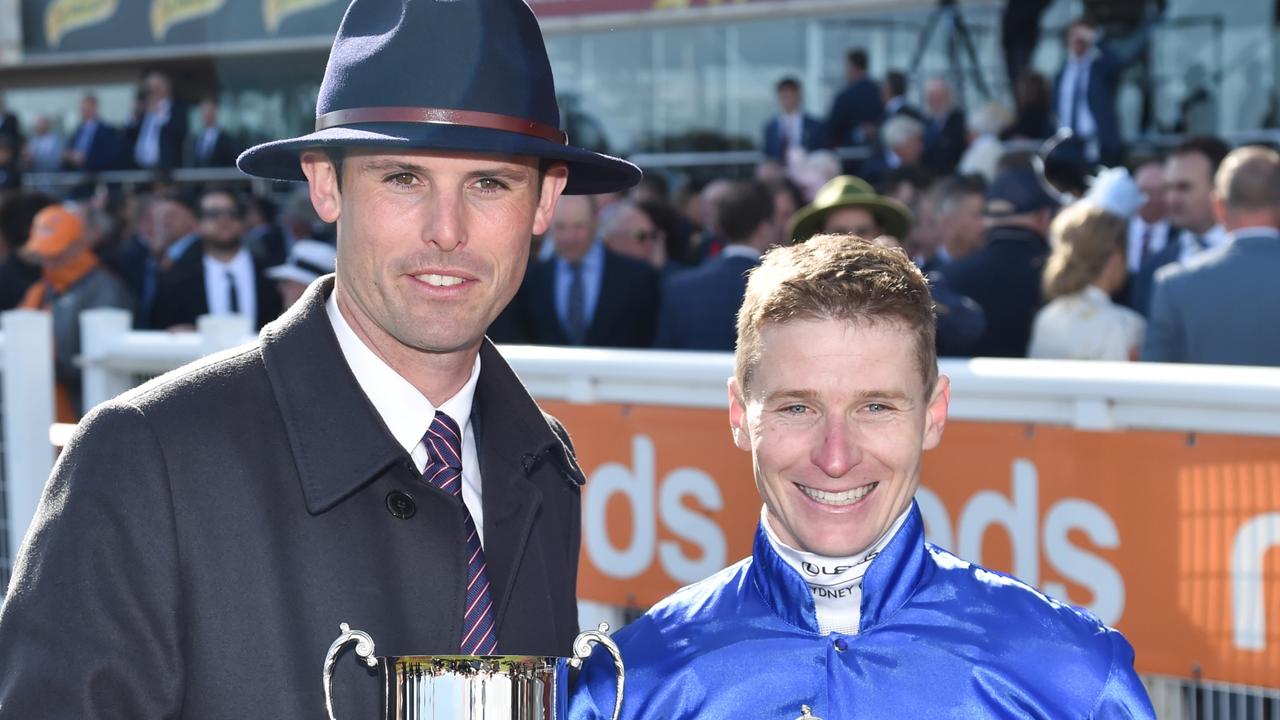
1216 307
792 128
1188 198
371 459
1086 86
857 111
163 128
699 304
945 133
903 146
43 153
1004 276
585 293
212 146
94 146
219 276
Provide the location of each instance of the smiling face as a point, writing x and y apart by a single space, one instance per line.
431 246
836 417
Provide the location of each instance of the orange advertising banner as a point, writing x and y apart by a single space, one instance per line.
1172 537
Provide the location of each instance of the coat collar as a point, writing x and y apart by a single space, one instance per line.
338 440
340 443
889 583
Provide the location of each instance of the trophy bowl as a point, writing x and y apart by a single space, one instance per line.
473 687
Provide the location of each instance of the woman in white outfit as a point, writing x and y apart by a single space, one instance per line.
1086 266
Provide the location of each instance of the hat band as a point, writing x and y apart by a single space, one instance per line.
313 268
440 116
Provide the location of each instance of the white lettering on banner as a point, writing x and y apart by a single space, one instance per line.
1087 569
637 484
1248 602
637 487
698 529
1020 518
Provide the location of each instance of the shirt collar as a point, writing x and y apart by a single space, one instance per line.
406 411
889 582
740 250
591 262
1256 231
239 262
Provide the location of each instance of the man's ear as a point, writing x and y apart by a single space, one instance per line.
322 181
738 417
1219 208
935 418
553 184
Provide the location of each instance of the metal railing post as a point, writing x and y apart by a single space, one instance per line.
27 376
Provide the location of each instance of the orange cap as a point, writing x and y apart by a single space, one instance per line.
53 231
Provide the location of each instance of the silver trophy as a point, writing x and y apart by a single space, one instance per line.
473 687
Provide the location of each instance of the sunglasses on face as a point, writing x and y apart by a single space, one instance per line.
645 235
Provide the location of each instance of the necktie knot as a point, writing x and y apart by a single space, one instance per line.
444 441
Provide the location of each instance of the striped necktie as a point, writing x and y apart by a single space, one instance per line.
444 470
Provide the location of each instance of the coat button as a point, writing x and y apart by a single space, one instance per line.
401 504
841 644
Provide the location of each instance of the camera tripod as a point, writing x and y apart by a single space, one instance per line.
959 47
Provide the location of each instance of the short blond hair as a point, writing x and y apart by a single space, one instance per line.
1084 238
837 277
1249 179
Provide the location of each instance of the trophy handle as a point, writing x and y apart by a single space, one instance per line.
364 648
582 650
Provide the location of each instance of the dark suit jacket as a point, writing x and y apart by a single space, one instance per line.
813 136
223 154
857 104
625 312
1004 279
1219 306
700 305
1142 283
1104 82
173 135
105 148
945 142
181 298
202 537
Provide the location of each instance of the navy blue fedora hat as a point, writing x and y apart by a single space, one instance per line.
460 75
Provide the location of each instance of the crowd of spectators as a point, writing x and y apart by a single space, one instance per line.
1134 264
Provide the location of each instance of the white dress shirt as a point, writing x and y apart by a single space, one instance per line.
1215 236
407 413
1086 326
1137 228
1077 71
240 269
147 151
592 276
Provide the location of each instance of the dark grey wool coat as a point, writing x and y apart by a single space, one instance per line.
202 537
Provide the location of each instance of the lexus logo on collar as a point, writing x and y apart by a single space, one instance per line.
815 570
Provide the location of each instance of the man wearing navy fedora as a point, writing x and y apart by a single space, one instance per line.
371 459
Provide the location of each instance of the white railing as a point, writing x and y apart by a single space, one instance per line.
114 357
26 412
1082 395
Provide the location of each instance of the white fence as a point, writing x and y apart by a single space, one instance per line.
26 412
